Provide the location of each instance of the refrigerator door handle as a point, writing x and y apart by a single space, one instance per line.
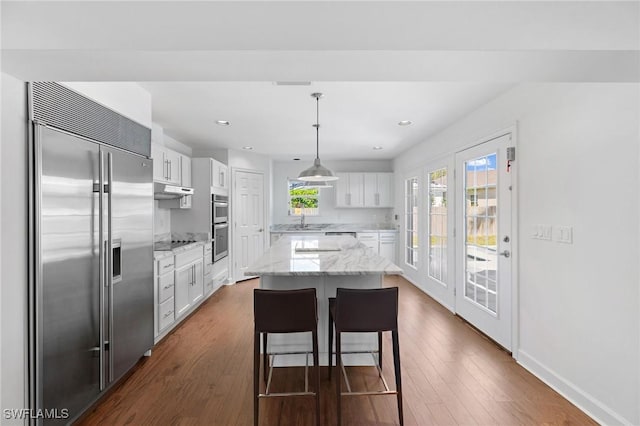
101 260
110 259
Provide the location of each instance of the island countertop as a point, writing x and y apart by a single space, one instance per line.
300 255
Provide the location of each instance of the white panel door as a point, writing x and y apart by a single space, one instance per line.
484 239
248 220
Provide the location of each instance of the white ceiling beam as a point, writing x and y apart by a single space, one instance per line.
490 66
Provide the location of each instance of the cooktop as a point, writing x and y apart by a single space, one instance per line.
170 245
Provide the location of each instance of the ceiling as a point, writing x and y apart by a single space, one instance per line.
431 62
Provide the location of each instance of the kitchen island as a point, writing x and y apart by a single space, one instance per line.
324 263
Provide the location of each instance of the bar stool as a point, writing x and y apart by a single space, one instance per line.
284 311
370 310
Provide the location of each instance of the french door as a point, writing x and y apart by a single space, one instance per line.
484 239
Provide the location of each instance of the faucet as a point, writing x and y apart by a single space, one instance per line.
301 220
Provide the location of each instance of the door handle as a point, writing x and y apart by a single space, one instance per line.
505 253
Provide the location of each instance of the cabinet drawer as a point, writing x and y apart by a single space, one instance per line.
165 265
220 266
388 236
208 283
166 314
188 257
367 236
166 286
220 279
208 268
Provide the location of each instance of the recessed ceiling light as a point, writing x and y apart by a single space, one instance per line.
404 123
377 148
248 148
222 122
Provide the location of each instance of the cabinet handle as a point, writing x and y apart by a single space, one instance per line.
377 199
167 287
167 314
170 171
168 266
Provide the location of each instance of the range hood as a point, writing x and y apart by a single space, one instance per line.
163 191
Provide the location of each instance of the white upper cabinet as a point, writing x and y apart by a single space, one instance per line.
349 190
219 176
185 171
378 189
166 165
342 190
364 190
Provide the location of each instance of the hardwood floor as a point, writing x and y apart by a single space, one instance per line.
201 374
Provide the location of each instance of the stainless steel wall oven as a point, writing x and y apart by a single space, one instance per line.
220 226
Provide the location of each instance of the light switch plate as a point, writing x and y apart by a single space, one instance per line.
541 232
564 234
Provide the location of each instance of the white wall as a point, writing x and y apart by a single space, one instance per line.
13 269
284 170
577 165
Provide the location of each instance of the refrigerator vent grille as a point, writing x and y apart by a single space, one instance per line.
60 107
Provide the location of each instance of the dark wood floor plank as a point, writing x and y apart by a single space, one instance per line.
201 374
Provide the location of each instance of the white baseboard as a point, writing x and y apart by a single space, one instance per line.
587 403
434 297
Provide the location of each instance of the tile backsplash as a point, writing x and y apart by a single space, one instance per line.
161 222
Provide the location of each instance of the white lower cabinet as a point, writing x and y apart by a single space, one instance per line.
166 314
196 291
165 287
382 243
369 239
387 245
189 286
183 281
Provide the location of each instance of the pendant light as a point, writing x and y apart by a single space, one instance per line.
317 172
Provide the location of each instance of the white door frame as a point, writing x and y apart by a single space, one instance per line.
515 245
232 234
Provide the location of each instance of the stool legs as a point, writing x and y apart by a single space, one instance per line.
256 376
265 356
330 345
396 365
316 365
380 349
338 379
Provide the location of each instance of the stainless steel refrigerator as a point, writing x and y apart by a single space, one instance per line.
93 279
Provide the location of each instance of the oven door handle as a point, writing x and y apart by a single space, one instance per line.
222 225
220 204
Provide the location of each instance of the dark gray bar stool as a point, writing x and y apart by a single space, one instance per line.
284 311
370 310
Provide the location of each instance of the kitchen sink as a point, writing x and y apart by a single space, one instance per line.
310 227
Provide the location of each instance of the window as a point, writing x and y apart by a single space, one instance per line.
303 200
411 220
437 245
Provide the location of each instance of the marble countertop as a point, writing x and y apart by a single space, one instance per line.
334 227
322 255
161 254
